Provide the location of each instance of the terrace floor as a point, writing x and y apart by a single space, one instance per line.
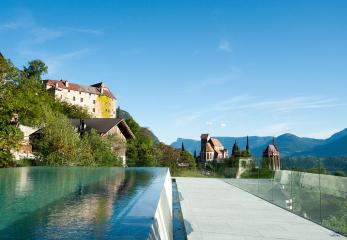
214 209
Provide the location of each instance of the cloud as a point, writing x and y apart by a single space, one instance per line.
38 34
55 62
223 124
224 46
245 102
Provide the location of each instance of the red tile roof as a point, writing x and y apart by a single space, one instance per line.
94 89
216 142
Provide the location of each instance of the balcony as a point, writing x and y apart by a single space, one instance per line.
261 204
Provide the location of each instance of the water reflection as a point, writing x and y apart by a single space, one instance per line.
78 203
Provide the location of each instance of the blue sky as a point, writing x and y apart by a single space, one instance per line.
182 68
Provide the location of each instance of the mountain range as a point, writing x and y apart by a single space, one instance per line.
288 144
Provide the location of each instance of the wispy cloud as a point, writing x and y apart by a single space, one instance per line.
55 62
245 102
39 34
223 125
224 46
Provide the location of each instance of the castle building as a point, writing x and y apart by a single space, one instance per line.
96 98
212 149
273 155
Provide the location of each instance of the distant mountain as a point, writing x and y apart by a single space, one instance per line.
288 144
337 136
336 147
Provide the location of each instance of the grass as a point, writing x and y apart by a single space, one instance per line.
190 173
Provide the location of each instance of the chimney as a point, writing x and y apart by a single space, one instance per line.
57 85
67 84
101 90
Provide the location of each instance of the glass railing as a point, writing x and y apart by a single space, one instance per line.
316 192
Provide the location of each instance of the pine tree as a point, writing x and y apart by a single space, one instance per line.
182 148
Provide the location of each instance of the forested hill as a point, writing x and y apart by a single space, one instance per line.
288 144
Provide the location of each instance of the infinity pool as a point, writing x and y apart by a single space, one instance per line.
85 203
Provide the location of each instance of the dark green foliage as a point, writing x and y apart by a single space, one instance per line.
70 110
139 150
101 150
123 114
150 134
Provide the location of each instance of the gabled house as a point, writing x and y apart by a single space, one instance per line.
105 127
212 149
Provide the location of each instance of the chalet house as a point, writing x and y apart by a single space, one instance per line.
96 98
212 149
105 127
273 155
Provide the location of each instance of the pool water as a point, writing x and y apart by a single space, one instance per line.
79 202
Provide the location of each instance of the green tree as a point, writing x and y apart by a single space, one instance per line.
101 149
10 135
140 149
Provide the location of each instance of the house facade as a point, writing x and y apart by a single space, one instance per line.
96 98
212 149
106 127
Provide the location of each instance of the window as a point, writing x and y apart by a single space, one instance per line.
93 101
81 99
90 94
74 98
93 109
68 90
80 92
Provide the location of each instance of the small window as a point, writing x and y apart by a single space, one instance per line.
80 92
93 109
93 101
74 98
90 94
81 99
68 90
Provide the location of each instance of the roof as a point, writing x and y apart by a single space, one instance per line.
216 142
209 148
103 125
94 89
271 150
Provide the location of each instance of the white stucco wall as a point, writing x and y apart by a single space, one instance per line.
90 101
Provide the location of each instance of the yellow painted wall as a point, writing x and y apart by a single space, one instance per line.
105 106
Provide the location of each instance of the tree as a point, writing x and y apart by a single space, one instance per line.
60 145
35 70
182 147
104 151
139 150
167 156
10 135
187 158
